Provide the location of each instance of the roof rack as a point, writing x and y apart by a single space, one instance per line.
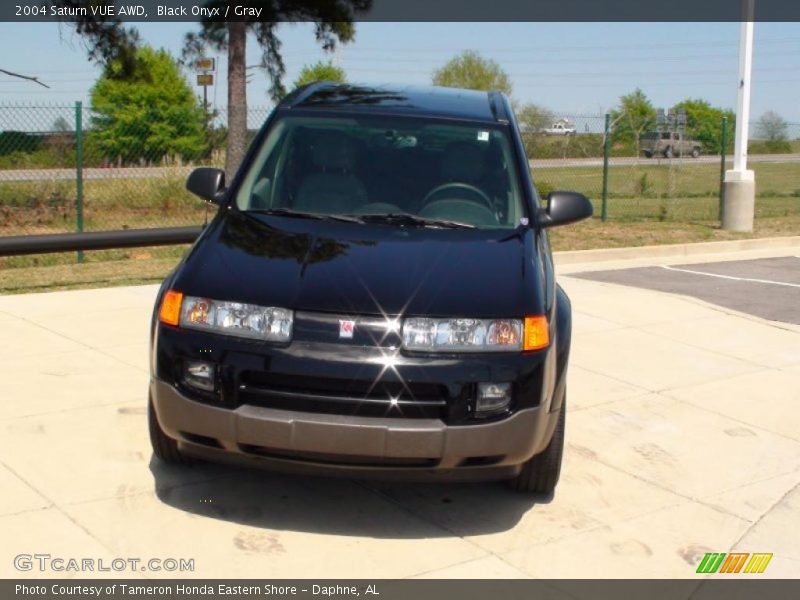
498 106
302 93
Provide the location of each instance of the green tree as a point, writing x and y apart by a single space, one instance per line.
633 117
320 71
471 71
772 127
704 124
109 39
146 114
333 22
532 119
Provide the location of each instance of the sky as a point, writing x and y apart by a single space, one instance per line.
569 68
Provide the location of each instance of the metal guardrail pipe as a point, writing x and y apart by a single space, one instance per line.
97 240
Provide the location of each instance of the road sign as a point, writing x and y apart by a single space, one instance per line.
204 64
205 79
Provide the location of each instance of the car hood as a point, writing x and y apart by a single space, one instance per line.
344 268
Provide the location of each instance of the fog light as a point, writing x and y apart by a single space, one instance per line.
493 398
199 374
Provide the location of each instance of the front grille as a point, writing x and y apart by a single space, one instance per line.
339 459
327 395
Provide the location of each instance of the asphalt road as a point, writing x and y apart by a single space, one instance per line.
768 288
554 163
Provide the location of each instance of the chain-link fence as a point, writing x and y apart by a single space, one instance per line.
67 168
664 175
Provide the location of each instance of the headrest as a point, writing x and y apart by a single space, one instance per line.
462 161
333 150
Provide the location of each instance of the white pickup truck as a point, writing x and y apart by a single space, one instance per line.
561 128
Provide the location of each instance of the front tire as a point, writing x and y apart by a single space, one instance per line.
164 447
695 152
668 153
540 474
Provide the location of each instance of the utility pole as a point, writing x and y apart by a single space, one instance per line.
740 183
606 150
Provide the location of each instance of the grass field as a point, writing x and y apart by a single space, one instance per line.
49 205
669 191
141 268
620 234
648 204
668 180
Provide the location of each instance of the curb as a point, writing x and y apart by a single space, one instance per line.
571 257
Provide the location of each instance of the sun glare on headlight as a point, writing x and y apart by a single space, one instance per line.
462 335
236 318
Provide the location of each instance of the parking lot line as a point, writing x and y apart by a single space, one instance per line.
748 279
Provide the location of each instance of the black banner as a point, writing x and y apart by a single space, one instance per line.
409 10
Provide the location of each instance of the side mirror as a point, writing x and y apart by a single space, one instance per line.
207 183
564 208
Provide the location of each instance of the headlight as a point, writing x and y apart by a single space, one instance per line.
234 318
462 335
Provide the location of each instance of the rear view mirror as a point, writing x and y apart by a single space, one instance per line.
207 183
564 208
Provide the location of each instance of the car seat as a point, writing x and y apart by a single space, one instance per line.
332 189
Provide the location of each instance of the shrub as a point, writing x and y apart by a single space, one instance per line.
770 147
544 188
643 186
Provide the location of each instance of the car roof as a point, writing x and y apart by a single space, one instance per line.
426 101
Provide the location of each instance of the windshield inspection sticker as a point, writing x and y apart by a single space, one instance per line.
483 136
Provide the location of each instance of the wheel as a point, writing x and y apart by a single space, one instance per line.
648 154
164 447
695 152
540 474
668 152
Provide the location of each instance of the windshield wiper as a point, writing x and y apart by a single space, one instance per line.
288 212
409 219
396 218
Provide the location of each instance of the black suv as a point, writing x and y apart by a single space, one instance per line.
375 296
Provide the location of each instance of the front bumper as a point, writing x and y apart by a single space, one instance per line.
352 445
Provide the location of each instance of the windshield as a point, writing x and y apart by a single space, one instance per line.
430 172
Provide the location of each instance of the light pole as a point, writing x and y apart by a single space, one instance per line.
740 184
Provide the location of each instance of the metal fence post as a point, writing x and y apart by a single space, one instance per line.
79 172
606 146
723 148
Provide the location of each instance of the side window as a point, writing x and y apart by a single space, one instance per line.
257 190
262 195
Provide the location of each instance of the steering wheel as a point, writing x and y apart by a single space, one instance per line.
461 186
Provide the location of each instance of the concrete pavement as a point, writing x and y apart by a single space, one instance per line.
678 443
